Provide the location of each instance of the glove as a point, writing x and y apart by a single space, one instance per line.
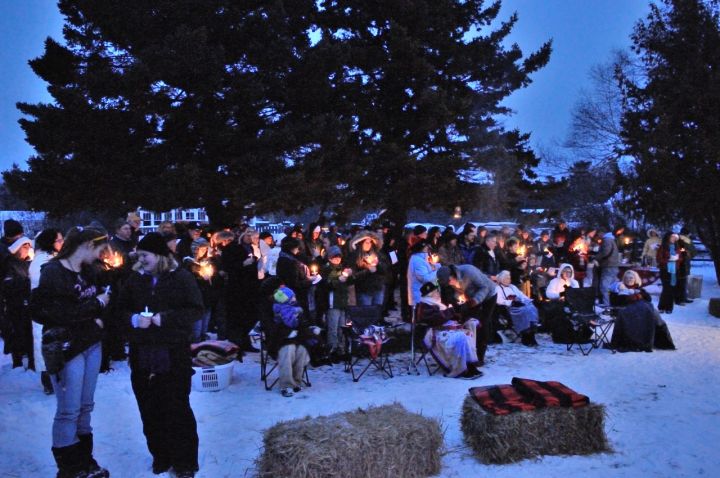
517 303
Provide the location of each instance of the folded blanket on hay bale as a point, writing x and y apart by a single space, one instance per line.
386 441
529 419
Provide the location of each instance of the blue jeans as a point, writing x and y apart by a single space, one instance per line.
75 392
608 276
200 326
371 298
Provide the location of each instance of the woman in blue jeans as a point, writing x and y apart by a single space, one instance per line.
68 303
370 268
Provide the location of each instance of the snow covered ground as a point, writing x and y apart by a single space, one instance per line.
663 408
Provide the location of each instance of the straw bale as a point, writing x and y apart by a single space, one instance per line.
498 439
386 441
714 307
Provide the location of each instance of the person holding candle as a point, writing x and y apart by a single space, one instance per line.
452 344
294 273
420 271
516 261
204 273
369 267
479 291
337 279
160 303
69 304
671 258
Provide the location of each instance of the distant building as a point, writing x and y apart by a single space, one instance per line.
151 219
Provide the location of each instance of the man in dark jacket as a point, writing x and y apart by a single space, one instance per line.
480 297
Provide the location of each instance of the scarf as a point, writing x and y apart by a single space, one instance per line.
672 266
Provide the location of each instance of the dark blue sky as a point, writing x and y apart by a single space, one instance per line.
584 34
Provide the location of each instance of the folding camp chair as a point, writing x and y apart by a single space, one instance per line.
590 329
364 335
417 346
269 364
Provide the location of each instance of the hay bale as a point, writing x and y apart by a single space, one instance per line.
386 441
546 431
714 307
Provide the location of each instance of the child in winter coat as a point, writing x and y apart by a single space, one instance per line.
290 335
338 278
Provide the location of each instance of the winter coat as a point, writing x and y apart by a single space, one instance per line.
651 245
419 272
609 255
366 281
295 275
64 298
681 265
332 285
474 283
468 251
175 295
41 258
558 285
484 261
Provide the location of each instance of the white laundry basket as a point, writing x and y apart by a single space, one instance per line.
212 379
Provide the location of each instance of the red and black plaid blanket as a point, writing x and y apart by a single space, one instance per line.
526 395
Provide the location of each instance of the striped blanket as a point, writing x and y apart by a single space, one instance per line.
526 395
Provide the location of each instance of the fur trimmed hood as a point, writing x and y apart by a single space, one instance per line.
362 235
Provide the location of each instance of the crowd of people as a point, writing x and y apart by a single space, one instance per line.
72 303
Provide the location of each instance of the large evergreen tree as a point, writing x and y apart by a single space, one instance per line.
236 107
672 118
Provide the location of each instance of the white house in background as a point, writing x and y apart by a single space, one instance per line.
151 219
33 222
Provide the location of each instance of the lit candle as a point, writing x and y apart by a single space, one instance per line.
462 299
206 270
113 259
314 269
434 258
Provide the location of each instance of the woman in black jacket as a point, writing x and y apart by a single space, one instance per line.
69 305
160 302
16 296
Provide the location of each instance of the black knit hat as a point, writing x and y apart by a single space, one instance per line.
12 228
155 243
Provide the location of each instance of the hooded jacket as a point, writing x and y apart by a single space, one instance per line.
558 285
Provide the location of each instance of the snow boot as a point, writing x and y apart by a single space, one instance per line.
70 461
93 469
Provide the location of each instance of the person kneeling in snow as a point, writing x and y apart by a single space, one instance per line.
290 336
451 344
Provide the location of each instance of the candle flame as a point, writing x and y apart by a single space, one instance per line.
113 259
579 246
206 270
